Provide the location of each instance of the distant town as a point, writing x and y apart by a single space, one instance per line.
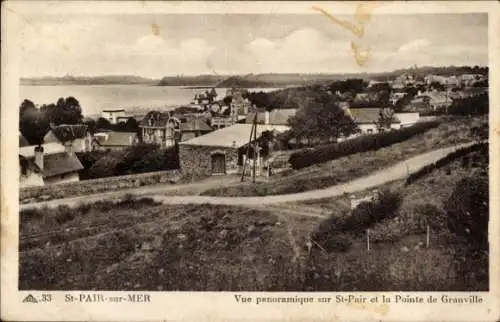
215 121
355 183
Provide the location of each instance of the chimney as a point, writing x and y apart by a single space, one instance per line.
68 147
39 156
266 117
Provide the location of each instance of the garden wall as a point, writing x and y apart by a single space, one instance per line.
63 190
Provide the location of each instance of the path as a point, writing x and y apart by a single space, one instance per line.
396 172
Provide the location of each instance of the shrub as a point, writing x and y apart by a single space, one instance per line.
369 213
332 232
468 211
363 143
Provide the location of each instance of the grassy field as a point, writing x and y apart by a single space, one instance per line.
450 132
142 245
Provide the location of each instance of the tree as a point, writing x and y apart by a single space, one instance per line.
437 86
476 105
322 118
385 118
34 125
131 125
26 105
91 125
227 100
102 124
66 111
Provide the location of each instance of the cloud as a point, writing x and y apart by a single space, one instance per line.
415 45
91 45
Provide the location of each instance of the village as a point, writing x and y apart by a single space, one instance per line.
213 133
335 185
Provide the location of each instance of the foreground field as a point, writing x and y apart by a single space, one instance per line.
142 245
451 132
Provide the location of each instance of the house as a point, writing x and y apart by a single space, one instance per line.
115 140
431 101
395 97
50 163
273 117
22 140
193 128
112 115
75 135
222 151
160 128
367 119
407 119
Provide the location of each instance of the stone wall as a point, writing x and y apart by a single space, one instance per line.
195 161
73 189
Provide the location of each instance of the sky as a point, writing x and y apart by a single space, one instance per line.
192 44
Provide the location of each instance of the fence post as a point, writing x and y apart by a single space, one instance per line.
428 237
368 239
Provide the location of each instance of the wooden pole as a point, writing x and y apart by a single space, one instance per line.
368 239
254 150
248 147
428 237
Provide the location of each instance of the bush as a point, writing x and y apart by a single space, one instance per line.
332 232
468 212
369 213
364 143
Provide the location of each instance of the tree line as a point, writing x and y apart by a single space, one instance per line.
35 122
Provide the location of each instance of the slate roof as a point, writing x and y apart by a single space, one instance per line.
117 139
60 163
157 119
56 160
234 136
65 132
195 125
48 148
368 115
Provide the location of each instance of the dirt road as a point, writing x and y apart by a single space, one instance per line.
396 172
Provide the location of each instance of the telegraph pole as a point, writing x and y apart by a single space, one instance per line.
254 123
254 149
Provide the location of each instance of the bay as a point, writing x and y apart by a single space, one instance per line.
133 98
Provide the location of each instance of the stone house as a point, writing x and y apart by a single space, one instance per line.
220 152
51 163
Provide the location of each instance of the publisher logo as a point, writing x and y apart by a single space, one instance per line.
30 299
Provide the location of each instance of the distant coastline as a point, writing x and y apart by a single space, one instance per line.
265 80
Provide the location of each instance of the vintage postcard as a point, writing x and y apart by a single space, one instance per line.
226 161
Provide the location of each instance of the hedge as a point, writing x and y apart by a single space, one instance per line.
324 153
364 216
462 152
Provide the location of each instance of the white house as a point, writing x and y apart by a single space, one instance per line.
50 163
407 119
113 115
367 119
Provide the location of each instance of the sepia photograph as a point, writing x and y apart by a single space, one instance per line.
253 152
